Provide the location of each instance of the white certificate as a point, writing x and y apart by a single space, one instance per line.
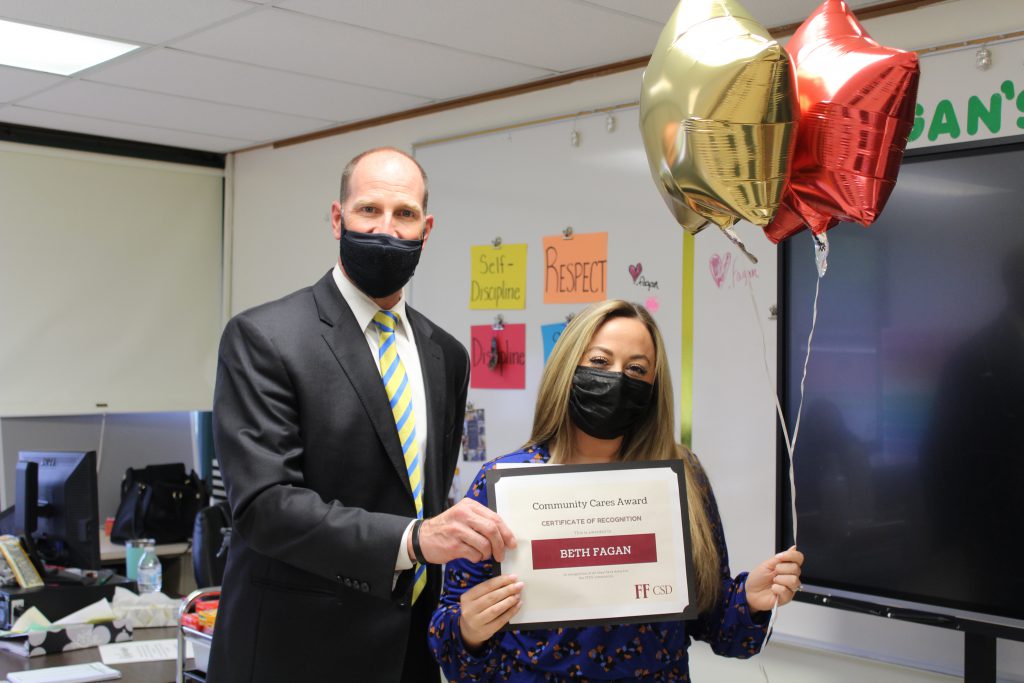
597 544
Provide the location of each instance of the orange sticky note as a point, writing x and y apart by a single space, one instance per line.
576 269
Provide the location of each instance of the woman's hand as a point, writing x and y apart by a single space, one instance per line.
777 576
488 606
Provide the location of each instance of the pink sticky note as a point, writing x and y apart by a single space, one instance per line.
498 357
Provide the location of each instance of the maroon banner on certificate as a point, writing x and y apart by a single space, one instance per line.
593 551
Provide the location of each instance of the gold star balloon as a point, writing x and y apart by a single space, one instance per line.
718 116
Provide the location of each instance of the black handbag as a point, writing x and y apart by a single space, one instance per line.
158 502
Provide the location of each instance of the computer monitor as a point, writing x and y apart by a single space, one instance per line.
61 495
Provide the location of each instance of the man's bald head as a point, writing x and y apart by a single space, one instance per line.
350 167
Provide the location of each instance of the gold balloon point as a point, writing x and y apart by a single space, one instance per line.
725 224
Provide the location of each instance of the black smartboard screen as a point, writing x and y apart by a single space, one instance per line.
910 458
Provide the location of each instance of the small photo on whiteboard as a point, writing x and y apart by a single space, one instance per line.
474 439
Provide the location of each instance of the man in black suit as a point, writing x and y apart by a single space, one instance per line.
338 481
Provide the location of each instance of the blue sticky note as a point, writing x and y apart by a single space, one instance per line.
551 333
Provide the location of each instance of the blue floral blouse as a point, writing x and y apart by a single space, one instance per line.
647 652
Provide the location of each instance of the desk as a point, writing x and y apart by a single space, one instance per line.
142 672
111 553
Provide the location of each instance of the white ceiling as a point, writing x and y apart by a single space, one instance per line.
222 75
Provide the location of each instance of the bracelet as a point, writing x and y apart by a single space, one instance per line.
416 550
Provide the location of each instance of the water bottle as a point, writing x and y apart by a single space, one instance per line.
150 575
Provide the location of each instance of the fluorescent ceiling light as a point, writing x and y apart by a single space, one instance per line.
56 52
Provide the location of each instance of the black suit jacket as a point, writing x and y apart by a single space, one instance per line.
319 493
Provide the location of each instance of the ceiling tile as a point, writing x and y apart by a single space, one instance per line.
182 73
773 13
226 74
124 131
141 21
560 36
769 13
297 42
164 111
654 10
15 83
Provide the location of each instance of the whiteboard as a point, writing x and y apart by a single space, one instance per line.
110 283
523 185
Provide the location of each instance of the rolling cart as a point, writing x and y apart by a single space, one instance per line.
200 641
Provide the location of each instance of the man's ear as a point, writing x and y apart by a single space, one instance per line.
336 219
428 225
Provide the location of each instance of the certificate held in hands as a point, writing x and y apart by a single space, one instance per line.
597 544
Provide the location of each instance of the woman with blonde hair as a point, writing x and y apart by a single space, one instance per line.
605 396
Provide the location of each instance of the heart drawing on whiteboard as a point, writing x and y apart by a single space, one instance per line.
719 265
634 271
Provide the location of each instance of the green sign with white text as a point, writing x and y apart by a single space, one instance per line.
957 101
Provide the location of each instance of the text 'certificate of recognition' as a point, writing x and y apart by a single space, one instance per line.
597 544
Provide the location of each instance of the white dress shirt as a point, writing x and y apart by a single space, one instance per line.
364 308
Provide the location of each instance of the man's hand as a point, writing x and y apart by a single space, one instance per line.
467 530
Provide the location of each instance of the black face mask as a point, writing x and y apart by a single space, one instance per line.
377 263
606 404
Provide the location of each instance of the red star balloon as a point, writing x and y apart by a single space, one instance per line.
857 102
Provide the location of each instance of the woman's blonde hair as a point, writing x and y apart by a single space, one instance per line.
652 438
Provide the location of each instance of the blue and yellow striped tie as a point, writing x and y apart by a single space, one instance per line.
396 384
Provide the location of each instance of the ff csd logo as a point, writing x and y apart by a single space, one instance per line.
645 590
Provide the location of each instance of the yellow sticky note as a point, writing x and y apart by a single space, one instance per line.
498 277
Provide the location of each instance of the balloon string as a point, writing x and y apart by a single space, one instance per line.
803 381
790 443
771 625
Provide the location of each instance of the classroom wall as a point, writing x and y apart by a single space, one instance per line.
281 241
